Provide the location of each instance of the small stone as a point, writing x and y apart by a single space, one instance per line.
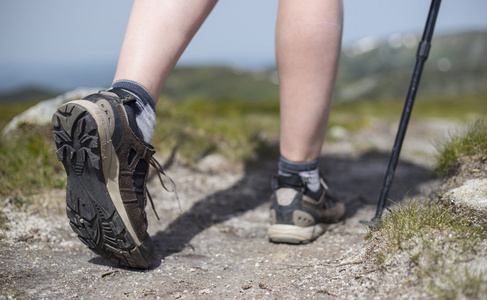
205 291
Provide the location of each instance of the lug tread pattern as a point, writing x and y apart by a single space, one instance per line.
94 219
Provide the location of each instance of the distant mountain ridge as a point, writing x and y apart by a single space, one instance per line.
27 93
372 69
369 69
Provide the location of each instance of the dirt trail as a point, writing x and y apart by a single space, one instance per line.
217 247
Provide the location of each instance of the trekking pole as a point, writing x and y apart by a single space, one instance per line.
421 56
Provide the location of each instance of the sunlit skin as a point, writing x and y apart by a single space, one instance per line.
308 38
157 34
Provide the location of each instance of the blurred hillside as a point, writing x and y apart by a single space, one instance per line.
370 69
235 112
221 83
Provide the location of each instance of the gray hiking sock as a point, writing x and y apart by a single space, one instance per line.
144 107
309 171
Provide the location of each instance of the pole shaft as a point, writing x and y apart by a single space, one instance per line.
421 56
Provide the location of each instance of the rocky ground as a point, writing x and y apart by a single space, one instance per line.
217 246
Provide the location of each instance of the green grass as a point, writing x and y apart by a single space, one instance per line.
216 83
244 130
357 115
460 107
439 240
3 220
237 129
405 223
28 163
473 143
9 110
463 284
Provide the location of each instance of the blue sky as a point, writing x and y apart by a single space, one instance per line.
57 42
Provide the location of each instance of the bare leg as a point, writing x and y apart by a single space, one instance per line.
156 36
308 42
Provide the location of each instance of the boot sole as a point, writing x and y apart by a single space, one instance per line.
291 234
82 132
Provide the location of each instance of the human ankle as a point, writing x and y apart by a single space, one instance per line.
308 171
144 107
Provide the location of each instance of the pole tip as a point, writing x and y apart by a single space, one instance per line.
373 224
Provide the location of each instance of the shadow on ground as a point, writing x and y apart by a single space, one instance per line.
357 181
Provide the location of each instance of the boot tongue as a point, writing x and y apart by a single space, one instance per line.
129 109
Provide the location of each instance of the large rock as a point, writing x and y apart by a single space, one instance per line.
41 113
473 194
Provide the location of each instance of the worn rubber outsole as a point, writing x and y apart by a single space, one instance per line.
291 234
82 131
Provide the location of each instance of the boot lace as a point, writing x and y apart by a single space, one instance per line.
161 173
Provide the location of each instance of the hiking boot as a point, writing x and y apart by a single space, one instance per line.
298 215
106 163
